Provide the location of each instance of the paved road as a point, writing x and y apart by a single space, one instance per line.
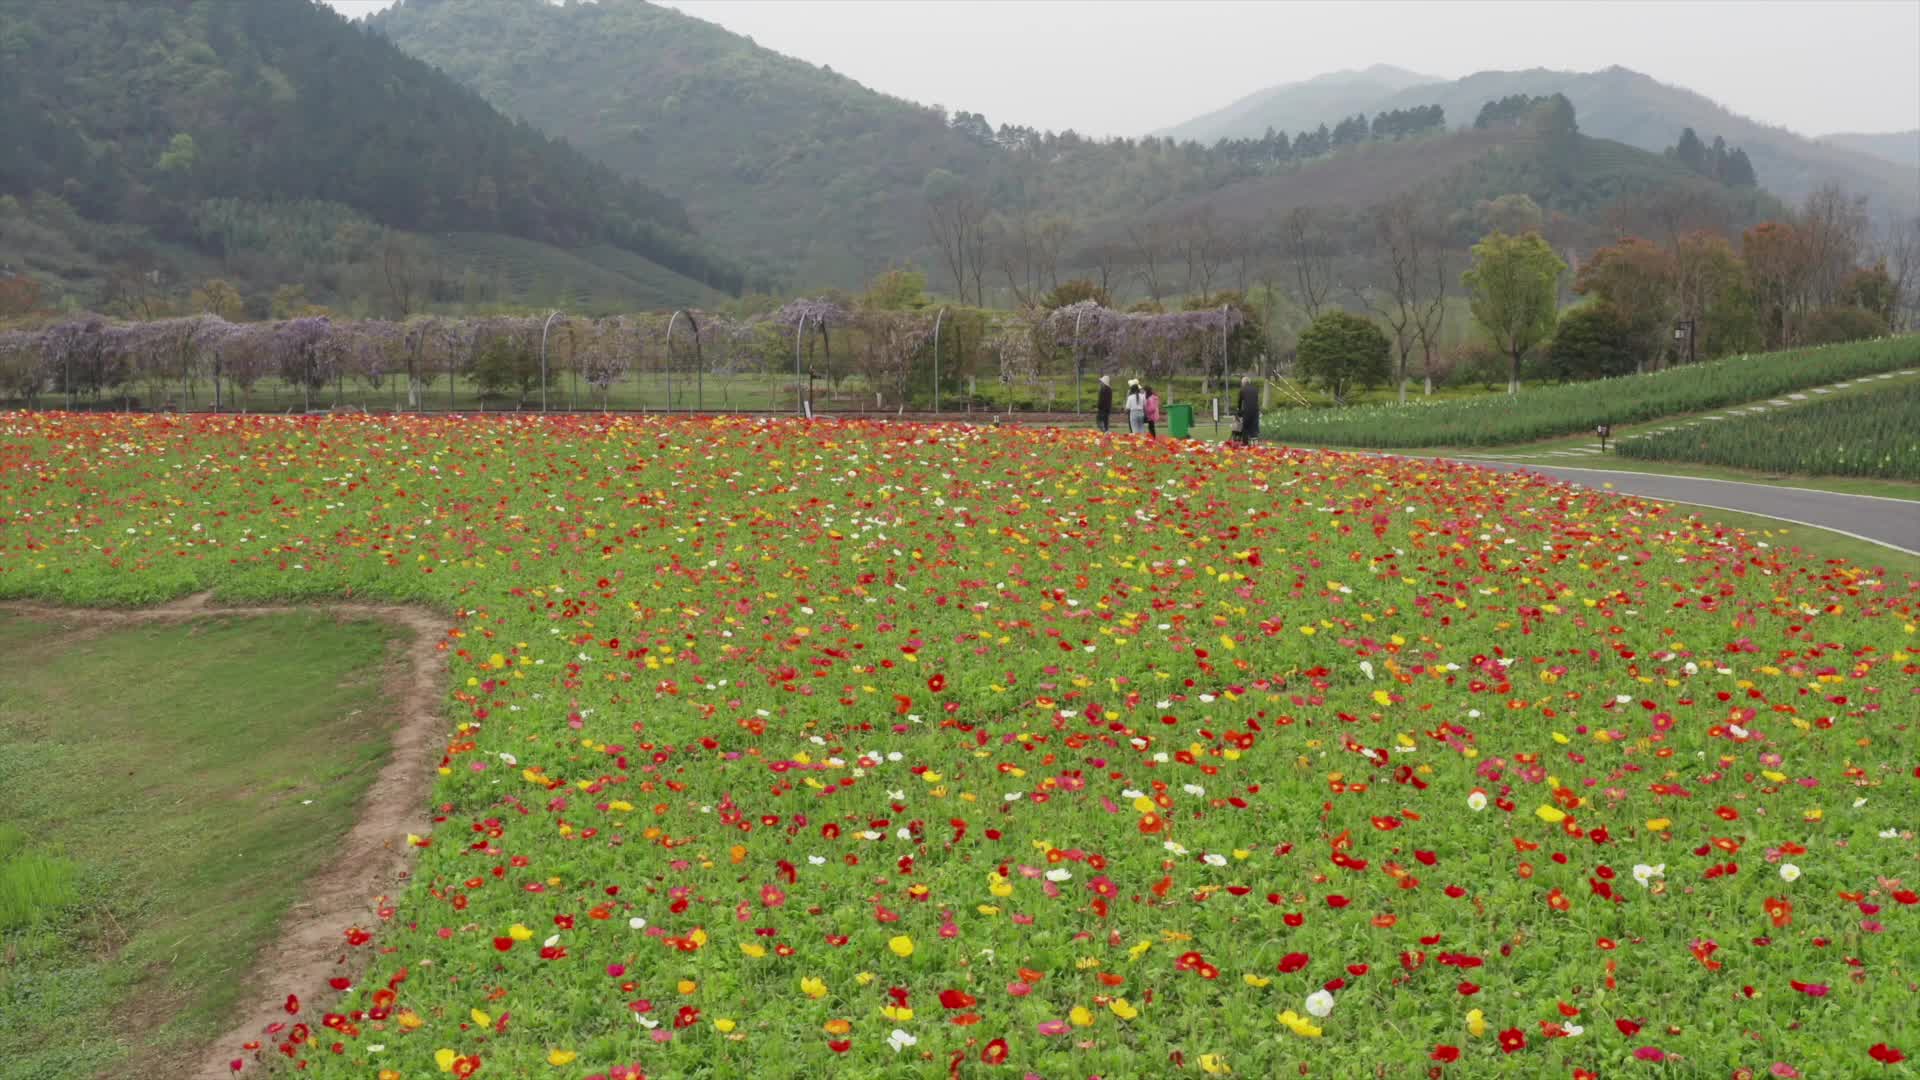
1894 523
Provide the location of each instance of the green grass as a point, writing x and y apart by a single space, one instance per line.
1573 408
1869 434
164 791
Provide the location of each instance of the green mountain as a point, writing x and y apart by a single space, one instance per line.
1299 106
1899 147
1637 110
812 175
205 132
827 182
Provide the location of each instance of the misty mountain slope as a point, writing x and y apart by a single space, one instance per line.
147 114
802 170
1899 147
1624 105
1640 111
1589 194
825 181
1302 105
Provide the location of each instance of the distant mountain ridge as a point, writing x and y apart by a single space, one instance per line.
825 182
1299 106
1899 147
1627 106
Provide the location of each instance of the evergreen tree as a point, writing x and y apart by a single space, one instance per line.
1690 151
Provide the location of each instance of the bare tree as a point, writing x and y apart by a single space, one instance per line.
1202 246
1833 226
1311 252
1105 259
401 270
1052 235
957 221
1903 266
1027 251
1149 246
1411 300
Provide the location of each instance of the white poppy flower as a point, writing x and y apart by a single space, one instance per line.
1319 1003
1789 872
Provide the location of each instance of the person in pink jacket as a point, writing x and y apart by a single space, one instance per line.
1153 412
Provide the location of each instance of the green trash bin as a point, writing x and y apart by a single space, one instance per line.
1179 420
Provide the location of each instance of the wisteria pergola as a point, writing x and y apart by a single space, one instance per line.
89 356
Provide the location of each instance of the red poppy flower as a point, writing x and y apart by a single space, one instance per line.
1885 1055
1292 962
995 1052
1445 1053
1512 1039
956 999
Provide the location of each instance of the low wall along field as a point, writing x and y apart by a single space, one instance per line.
782 749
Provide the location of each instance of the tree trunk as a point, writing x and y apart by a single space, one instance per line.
1513 372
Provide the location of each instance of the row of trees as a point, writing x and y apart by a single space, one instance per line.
1729 166
1268 151
1811 278
1805 280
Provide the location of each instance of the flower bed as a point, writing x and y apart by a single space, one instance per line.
779 748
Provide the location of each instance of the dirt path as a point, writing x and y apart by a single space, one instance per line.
371 861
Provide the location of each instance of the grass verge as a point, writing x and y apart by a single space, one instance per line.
164 790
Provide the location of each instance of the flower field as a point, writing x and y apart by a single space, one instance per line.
1575 408
779 749
1871 434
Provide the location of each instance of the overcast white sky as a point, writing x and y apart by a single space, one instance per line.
1130 66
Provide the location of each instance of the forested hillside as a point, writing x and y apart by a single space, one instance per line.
1614 103
1298 106
804 171
827 182
178 117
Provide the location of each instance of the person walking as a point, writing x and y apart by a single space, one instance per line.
1136 407
1153 412
1249 427
1103 406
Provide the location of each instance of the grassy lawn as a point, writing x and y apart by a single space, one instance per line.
164 790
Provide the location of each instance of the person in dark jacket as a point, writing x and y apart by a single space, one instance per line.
1103 408
1249 411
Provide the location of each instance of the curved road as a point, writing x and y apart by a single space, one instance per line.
1893 523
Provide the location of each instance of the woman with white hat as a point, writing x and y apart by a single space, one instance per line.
1136 407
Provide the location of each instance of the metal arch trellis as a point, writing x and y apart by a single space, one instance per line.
543 358
699 368
936 359
1079 358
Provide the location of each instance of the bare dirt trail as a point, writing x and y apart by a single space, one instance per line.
370 862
